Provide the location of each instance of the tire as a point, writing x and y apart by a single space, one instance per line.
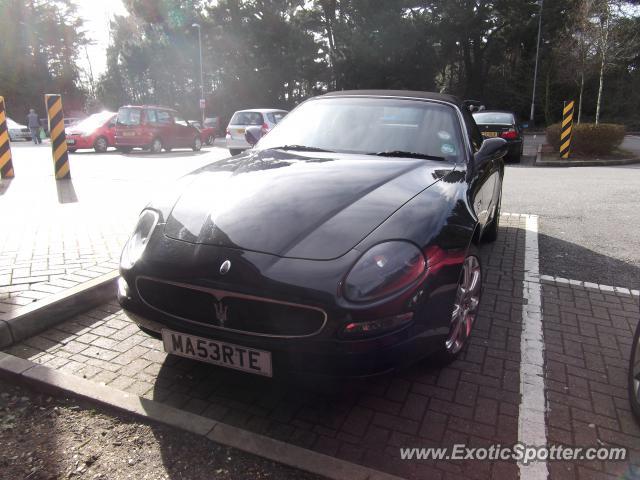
516 158
156 145
124 149
633 384
71 150
465 309
101 144
210 140
490 233
197 144
235 151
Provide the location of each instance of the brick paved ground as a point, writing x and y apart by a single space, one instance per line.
56 235
473 401
588 334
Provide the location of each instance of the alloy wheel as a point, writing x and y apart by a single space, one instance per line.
197 144
156 145
466 305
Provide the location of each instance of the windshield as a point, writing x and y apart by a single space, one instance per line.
370 125
486 118
247 118
129 116
12 124
94 121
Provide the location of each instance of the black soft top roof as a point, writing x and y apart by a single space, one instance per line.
442 97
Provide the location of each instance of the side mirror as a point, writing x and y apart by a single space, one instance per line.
252 135
491 149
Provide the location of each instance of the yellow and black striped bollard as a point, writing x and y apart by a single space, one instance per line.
565 132
58 137
6 165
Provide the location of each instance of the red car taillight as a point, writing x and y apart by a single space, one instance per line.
510 135
264 128
227 132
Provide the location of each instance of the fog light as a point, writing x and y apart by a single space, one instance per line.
376 327
123 288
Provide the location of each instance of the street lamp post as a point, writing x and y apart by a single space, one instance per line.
535 71
202 101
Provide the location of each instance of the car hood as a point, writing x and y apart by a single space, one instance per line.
312 206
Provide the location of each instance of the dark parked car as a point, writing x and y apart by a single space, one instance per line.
154 128
323 252
634 374
495 123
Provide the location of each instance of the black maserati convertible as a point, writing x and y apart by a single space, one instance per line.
343 243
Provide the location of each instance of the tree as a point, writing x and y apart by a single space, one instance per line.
46 38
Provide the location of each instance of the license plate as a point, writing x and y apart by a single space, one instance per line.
240 131
71 141
490 134
128 134
219 353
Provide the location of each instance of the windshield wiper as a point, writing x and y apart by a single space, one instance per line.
301 148
402 153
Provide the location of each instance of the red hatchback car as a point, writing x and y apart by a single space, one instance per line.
96 131
154 128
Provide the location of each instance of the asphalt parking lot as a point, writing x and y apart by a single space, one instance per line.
584 250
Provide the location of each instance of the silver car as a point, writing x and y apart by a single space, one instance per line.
17 131
267 118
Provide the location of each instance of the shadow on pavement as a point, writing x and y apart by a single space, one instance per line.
66 191
569 260
171 154
5 183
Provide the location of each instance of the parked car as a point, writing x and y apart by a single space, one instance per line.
17 131
633 385
96 131
209 132
154 128
503 124
71 121
317 252
265 118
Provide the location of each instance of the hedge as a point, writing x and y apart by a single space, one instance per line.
589 138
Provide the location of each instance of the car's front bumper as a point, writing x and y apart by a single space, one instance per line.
19 135
324 353
79 142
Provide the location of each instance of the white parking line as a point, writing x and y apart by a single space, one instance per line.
531 419
590 285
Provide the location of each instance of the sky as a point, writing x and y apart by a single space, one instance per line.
96 15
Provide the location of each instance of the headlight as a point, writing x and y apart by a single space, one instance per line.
384 269
136 244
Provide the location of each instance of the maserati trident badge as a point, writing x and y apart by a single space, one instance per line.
225 267
221 313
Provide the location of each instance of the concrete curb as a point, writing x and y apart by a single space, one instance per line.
581 163
38 316
54 381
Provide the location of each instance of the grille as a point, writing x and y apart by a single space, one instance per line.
231 311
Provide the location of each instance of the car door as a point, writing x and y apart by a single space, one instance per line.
110 131
183 131
486 181
165 127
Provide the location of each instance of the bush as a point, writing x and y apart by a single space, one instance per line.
589 138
